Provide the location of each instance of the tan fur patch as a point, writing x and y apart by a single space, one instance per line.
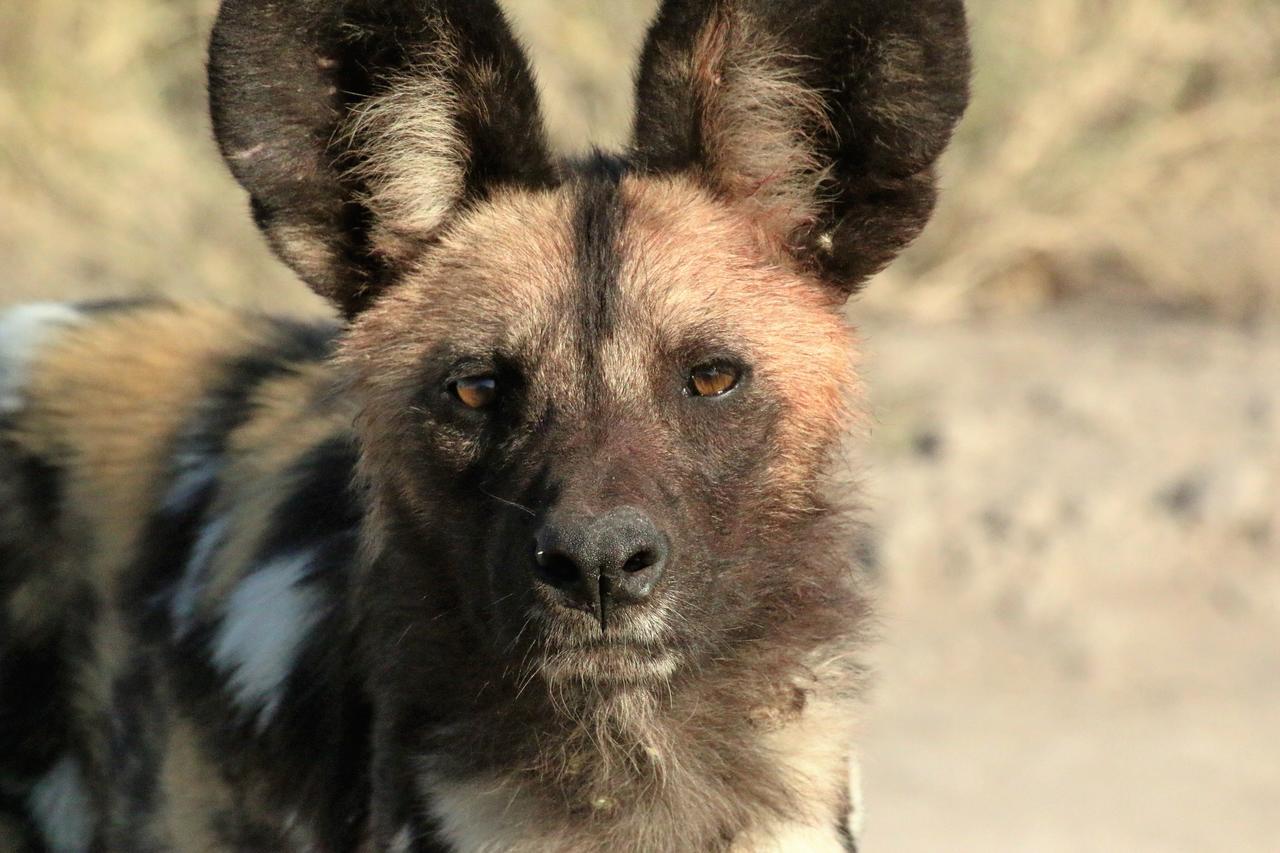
494 281
106 404
694 265
285 427
758 120
194 790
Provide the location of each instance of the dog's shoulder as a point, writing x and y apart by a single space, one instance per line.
173 478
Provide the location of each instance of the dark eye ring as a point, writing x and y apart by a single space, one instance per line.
475 392
714 379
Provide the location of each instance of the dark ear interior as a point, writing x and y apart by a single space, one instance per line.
823 119
360 127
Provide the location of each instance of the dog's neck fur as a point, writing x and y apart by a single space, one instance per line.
489 744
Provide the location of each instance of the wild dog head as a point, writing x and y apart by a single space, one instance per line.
599 396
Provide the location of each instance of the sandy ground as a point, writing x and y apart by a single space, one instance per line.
1080 567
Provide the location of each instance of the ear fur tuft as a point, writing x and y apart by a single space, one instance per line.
361 127
822 121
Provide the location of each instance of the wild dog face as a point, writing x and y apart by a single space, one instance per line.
598 397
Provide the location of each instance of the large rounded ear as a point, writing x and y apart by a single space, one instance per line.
822 119
359 127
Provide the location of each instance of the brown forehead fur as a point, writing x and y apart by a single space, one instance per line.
692 268
699 265
493 278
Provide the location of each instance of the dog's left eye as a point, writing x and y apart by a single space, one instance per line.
712 380
475 392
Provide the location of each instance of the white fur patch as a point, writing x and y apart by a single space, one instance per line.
266 621
402 842
185 599
197 474
23 330
61 808
483 814
790 838
415 158
857 811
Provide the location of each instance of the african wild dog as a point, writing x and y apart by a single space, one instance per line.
535 550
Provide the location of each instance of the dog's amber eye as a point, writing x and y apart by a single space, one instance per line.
475 392
712 380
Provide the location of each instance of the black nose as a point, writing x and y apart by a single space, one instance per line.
599 562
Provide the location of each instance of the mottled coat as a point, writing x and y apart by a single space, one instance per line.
536 549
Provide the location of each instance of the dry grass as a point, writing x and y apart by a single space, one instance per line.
1126 149
1120 149
109 180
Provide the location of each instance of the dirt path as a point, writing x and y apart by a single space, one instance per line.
1080 556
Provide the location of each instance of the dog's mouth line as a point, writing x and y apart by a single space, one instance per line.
629 649
574 630
609 647
611 663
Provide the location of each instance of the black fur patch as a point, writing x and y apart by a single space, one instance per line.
37 683
166 546
14 819
172 530
597 226
41 483
136 748
322 506
35 482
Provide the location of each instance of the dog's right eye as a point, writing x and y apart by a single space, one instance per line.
714 379
475 392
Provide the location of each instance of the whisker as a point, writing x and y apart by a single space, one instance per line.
513 504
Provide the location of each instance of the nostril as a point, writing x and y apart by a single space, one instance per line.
640 561
556 568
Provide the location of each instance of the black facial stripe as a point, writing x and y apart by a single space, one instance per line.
597 224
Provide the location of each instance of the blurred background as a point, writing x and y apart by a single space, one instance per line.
1075 460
